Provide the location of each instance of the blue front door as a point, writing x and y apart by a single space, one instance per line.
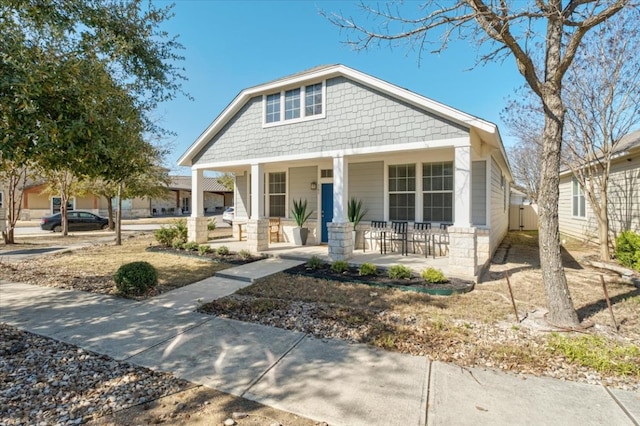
327 210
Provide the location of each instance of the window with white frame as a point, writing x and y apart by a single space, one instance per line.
402 192
578 200
277 194
56 203
300 103
437 192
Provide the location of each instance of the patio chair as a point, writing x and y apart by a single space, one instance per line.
376 232
398 233
441 239
421 234
274 229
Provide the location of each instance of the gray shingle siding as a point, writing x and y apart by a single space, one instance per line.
356 116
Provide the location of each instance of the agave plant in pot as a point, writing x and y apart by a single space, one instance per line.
300 216
355 213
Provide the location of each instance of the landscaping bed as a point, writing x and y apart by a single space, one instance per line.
382 279
231 258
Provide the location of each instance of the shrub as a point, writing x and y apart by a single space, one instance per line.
203 249
628 249
177 244
211 224
368 269
314 263
180 226
191 246
222 251
397 272
135 278
165 236
433 275
339 266
244 254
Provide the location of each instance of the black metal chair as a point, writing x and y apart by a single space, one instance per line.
441 239
398 233
421 234
376 232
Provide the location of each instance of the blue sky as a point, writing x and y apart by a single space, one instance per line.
232 45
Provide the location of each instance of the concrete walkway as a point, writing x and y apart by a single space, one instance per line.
326 380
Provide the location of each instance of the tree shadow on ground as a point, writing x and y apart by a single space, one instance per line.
600 305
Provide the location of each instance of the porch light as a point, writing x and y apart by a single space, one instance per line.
314 186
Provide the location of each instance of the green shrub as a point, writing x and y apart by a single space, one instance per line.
180 226
191 246
368 269
135 278
339 266
165 235
211 224
244 254
397 272
628 249
433 275
177 244
173 235
203 249
314 263
222 251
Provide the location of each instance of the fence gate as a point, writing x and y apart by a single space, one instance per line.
523 218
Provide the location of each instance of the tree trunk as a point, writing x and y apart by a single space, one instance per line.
119 217
603 227
63 213
561 309
112 224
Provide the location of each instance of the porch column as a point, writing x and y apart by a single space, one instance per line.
258 226
197 223
462 178
463 254
340 229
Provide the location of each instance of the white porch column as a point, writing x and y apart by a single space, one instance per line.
340 189
258 226
340 229
197 224
462 178
257 191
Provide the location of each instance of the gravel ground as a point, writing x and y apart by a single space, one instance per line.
46 382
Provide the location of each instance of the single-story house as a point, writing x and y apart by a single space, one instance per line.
37 203
331 133
575 215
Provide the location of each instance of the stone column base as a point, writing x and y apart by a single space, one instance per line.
197 229
340 240
463 256
258 235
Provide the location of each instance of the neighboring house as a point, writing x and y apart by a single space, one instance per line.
37 203
332 133
576 218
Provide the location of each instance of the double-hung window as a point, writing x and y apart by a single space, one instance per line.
402 192
277 194
578 199
437 188
296 104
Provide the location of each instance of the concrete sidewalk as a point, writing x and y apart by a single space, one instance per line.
326 380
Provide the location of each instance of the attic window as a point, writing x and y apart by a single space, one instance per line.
293 105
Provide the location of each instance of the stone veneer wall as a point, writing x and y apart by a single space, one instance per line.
257 235
463 255
340 240
197 229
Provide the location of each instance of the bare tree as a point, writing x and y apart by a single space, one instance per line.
15 179
510 29
603 105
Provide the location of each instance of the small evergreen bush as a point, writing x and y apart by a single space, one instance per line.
135 278
211 224
177 244
339 266
368 269
203 249
244 254
165 236
314 263
222 251
180 226
433 275
191 246
628 249
172 236
397 272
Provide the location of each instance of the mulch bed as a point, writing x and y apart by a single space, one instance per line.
233 258
381 279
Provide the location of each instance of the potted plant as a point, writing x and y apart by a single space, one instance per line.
300 216
355 213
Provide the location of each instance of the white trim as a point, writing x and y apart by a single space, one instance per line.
72 200
303 99
410 146
580 189
325 73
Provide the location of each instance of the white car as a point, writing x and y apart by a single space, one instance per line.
227 216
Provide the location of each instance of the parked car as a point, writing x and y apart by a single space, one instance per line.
77 221
227 216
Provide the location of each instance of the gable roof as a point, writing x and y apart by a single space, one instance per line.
209 184
629 142
488 130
